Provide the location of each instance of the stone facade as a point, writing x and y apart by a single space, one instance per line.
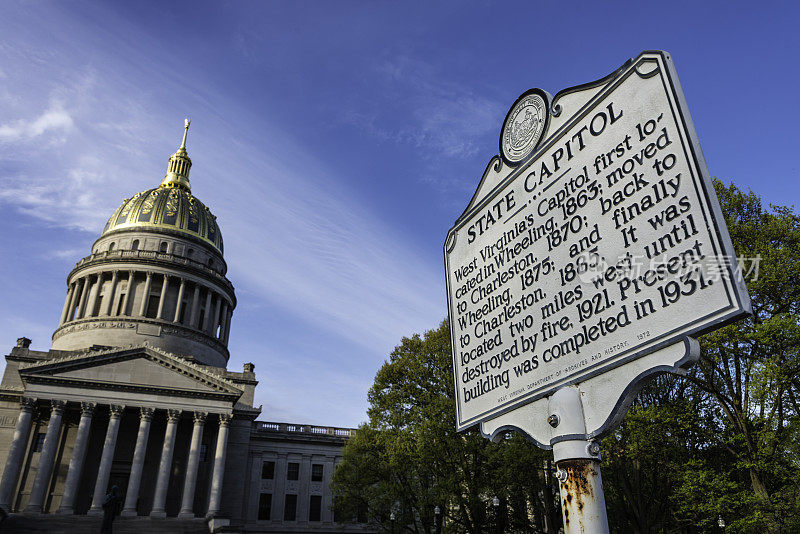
135 392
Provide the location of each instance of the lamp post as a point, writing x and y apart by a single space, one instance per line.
437 514
721 523
496 505
391 518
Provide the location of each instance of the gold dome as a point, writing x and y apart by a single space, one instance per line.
170 206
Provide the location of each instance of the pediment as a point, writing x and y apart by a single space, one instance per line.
132 369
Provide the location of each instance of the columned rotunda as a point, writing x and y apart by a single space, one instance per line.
155 273
135 393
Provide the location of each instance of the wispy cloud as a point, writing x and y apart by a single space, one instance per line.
55 118
446 118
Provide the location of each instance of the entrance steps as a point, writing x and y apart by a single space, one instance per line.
81 524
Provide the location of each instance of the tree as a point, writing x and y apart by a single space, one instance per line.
724 442
408 458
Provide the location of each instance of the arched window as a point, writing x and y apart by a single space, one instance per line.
135 244
210 262
190 253
163 247
111 246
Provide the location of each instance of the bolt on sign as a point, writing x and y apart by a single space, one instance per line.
591 255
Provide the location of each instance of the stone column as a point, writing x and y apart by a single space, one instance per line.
163 297
45 468
187 504
106 459
179 305
135 479
95 294
73 303
207 316
217 320
84 296
195 306
303 489
165 466
228 326
16 453
219 465
146 295
279 493
223 320
111 292
124 308
76 462
327 501
65 311
255 461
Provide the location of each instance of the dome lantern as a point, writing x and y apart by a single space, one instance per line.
179 165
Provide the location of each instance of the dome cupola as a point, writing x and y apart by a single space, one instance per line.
179 165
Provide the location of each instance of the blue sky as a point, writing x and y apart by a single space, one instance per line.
336 142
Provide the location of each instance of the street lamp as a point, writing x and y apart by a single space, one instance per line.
391 518
437 513
721 523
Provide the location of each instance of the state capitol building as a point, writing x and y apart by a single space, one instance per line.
135 392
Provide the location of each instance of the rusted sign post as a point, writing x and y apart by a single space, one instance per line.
590 257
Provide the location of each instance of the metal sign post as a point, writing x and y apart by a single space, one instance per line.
583 506
590 257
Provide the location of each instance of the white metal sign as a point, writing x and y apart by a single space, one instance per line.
594 239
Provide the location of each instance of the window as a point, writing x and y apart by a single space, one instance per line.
135 244
293 471
163 247
190 253
268 470
39 443
210 262
152 306
316 472
182 318
264 506
111 246
290 507
315 508
123 288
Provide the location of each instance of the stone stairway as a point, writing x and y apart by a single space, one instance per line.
81 524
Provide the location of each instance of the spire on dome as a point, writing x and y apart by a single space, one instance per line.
179 165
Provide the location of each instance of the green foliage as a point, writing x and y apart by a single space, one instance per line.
724 442
409 459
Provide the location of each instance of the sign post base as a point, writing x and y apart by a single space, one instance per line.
569 422
583 505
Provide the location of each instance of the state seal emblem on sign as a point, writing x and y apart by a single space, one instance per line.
524 125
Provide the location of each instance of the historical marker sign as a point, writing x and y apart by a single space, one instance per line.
594 240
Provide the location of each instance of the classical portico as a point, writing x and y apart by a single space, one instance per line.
102 388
